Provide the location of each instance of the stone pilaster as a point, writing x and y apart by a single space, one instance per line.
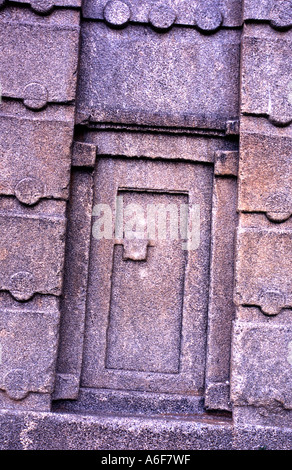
262 333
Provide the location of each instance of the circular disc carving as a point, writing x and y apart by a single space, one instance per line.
278 216
208 20
22 285
117 13
42 6
272 302
281 14
279 203
29 191
162 17
35 96
16 384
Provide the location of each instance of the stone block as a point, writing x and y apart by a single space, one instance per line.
217 396
34 401
28 345
252 437
261 365
263 269
32 248
254 314
35 152
265 169
193 147
84 154
38 56
131 403
266 74
232 127
66 386
63 431
144 78
275 416
131 337
226 163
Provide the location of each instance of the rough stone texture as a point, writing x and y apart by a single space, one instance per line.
38 56
263 415
29 262
66 431
263 267
265 169
266 74
132 403
154 79
73 302
38 66
32 166
221 307
33 401
116 13
83 154
250 437
261 344
254 314
47 6
226 163
217 396
41 431
28 341
269 385
136 339
157 146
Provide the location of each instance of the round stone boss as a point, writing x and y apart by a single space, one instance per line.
271 302
22 285
278 216
208 20
35 96
29 191
16 384
42 6
281 14
162 17
117 13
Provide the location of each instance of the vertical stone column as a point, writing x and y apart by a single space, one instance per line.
262 334
38 67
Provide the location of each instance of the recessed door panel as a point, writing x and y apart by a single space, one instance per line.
144 332
148 276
